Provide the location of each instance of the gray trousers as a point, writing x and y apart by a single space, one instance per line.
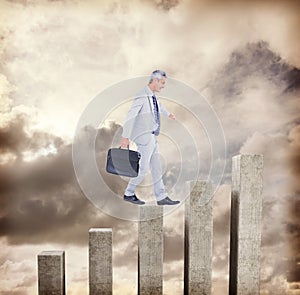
149 158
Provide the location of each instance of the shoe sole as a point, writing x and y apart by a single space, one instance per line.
135 203
168 204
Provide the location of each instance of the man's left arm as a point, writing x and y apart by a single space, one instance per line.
165 112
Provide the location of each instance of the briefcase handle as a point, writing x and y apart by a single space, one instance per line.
127 147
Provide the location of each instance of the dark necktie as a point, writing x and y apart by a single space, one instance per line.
156 114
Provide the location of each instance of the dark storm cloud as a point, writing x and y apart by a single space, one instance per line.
14 293
221 232
128 251
254 60
41 200
246 2
293 219
15 139
255 74
294 137
253 70
293 274
173 247
222 217
163 4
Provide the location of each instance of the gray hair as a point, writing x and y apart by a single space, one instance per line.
157 74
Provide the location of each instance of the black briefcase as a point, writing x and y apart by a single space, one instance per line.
123 162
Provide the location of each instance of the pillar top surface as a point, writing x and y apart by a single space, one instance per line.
100 230
248 156
52 253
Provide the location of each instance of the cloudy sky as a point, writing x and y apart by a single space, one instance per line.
56 56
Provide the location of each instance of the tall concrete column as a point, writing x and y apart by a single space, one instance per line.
245 227
51 273
100 261
198 239
150 251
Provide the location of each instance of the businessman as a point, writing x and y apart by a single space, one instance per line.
142 125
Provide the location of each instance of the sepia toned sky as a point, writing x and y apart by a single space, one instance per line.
56 56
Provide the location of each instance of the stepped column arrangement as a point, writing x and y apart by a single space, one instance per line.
245 226
150 251
245 242
198 239
51 273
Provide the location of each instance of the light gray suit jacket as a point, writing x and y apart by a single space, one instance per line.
140 122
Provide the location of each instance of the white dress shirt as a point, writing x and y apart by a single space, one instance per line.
162 110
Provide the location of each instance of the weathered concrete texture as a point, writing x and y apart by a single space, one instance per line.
51 273
198 239
100 261
150 248
245 229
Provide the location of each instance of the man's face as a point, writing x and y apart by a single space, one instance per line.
159 84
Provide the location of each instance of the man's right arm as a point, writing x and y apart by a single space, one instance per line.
130 119
124 142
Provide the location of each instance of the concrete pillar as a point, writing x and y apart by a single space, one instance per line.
245 227
100 261
150 251
51 273
198 239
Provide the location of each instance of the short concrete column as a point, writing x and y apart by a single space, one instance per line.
100 261
245 228
51 273
150 251
198 239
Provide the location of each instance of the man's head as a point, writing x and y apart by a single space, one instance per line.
157 80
